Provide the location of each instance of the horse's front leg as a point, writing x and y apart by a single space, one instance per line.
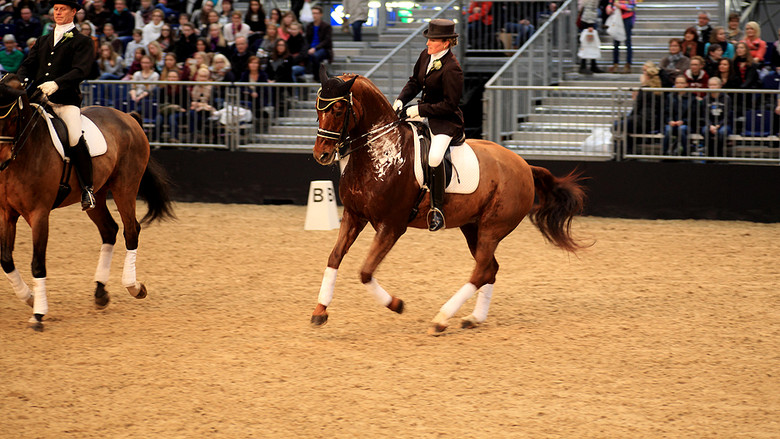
39 222
350 228
384 240
7 240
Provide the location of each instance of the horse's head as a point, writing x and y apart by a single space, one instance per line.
12 100
336 116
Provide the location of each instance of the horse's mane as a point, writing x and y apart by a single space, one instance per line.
368 91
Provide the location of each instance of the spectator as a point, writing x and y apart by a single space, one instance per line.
545 14
211 18
718 37
678 110
131 47
221 70
185 45
143 15
522 30
199 17
239 56
27 26
227 10
703 31
86 30
690 45
755 44
728 77
480 21
30 44
255 19
279 68
123 21
745 67
216 40
98 15
733 33
254 73
135 62
157 55
166 38
140 94
590 49
714 55
773 53
274 17
236 28
110 37
717 124
297 47
674 64
171 10
296 6
173 105
319 38
201 103
153 29
202 45
287 20
357 10
646 113
695 75
110 64
627 8
10 57
169 64
268 43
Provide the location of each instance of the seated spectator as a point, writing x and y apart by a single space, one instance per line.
123 21
131 46
645 116
719 38
216 40
201 104
236 28
143 15
135 63
728 77
714 55
695 75
523 30
254 73
319 39
110 37
773 53
745 67
97 14
156 53
141 94
226 10
30 44
27 26
166 38
174 101
677 112
287 20
170 64
172 12
268 42
239 56
110 64
211 19
716 125
255 19
10 57
754 43
480 22
690 45
185 44
86 29
734 33
674 64
221 70
202 45
297 47
153 29
703 31
199 17
274 17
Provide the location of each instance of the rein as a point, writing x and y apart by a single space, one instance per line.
20 139
343 140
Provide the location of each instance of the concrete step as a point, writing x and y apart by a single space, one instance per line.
591 101
573 118
294 130
542 136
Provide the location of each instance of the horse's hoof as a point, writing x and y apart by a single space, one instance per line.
396 305
101 296
436 329
141 292
469 322
318 320
138 290
36 322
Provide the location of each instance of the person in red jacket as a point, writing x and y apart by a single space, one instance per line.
480 22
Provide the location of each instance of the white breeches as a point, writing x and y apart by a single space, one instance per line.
71 115
439 145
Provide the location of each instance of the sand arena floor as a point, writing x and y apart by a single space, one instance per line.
662 329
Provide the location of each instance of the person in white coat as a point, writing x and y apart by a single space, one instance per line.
590 49
356 14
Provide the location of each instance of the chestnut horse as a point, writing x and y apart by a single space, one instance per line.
30 171
378 186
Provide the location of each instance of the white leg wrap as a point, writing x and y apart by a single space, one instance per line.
327 287
20 288
458 299
104 263
483 303
439 145
128 272
379 293
41 305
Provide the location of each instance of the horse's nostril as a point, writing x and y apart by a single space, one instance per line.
324 156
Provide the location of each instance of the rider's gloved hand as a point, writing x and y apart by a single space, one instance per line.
397 105
48 88
413 111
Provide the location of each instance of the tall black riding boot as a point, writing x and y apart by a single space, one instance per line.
82 162
436 181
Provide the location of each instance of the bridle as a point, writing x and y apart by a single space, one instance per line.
22 132
343 140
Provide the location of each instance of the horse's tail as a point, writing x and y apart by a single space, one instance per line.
560 199
155 190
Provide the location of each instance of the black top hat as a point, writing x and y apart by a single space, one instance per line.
72 3
440 28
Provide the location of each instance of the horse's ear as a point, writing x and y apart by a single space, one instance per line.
349 83
323 74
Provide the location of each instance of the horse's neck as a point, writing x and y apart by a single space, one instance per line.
385 152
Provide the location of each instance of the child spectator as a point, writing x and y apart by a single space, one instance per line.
135 63
156 54
590 49
717 124
133 45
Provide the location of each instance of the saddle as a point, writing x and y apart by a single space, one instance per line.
424 137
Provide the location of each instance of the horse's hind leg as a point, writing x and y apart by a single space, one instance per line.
126 205
7 239
108 229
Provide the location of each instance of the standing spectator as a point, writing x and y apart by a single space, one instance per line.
239 56
109 36
255 19
254 73
690 45
296 44
733 33
319 37
279 69
110 64
123 21
646 113
357 10
185 45
10 57
717 124
153 29
201 104
97 14
480 21
755 44
674 64
703 31
719 38
131 47
166 38
590 49
27 26
627 8
296 6
236 28
678 110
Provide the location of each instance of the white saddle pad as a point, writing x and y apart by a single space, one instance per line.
465 167
96 143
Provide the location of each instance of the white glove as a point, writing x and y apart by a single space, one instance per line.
413 111
397 105
49 87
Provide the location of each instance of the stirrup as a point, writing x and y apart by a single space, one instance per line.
435 219
87 199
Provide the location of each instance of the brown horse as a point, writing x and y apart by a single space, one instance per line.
30 172
378 186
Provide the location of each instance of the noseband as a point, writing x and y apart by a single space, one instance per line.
343 140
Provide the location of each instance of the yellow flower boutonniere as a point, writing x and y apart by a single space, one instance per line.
67 35
436 65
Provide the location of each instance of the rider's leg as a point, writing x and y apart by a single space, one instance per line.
436 180
71 115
